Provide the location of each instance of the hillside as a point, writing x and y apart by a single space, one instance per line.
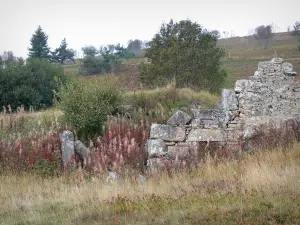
242 56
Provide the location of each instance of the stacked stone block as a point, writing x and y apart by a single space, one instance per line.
271 93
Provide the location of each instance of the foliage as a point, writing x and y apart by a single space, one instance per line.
63 53
89 51
37 152
86 103
186 53
121 147
7 58
39 45
264 33
134 46
159 104
108 61
29 84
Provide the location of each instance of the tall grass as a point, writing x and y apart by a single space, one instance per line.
260 188
159 104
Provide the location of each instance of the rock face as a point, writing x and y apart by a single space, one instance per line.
179 118
67 148
269 98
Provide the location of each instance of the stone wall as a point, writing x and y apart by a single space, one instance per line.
270 95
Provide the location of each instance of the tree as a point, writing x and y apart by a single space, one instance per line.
7 58
134 46
264 33
39 45
29 84
186 53
296 32
108 61
90 51
63 53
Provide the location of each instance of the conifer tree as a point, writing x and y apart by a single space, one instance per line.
63 53
39 45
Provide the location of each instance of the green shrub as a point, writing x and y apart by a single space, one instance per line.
86 103
29 84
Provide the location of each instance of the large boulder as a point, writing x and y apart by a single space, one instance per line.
67 148
167 132
179 118
156 148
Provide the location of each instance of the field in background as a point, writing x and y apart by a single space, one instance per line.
243 54
242 57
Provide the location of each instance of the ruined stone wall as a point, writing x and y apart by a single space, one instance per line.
271 94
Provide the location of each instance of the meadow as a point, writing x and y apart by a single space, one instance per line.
259 187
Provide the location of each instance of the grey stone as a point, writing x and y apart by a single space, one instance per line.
258 73
113 177
241 85
215 115
288 70
277 60
156 148
228 100
196 123
206 135
179 118
81 151
67 148
167 132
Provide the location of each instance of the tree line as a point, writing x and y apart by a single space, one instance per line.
183 52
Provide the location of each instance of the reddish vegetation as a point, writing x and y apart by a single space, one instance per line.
121 146
22 154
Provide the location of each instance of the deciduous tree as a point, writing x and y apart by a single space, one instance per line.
186 53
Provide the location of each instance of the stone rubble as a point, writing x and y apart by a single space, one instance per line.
271 94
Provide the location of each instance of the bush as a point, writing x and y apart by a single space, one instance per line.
86 103
29 84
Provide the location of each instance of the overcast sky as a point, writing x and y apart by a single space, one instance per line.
97 22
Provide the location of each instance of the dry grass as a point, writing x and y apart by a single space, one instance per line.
262 188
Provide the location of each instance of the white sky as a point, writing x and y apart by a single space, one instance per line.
97 22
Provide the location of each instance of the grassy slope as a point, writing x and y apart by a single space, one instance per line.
258 189
245 55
